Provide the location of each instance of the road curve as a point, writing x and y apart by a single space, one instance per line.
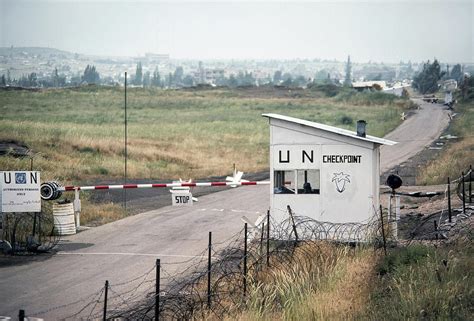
121 250
414 134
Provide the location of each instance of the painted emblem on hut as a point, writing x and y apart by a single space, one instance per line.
340 179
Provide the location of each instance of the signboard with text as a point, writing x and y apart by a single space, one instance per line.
20 191
182 198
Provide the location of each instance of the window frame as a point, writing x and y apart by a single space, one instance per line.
315 191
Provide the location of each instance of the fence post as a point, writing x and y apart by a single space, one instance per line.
21 315
292 222
449 201
39 227
463 195
383 232
209 271
261 241
245 259
268 238
436 228
157 290
470 183
105 300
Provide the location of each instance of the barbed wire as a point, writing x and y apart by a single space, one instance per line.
246 257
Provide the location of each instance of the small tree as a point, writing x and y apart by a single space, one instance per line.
348 77
91 76
156 79
277 77
138 75
233 81
3 81
456 73
178 75
188 81
32 79
426 82
146 79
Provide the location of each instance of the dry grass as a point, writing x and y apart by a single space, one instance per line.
412 283
79 135
94 214
324 282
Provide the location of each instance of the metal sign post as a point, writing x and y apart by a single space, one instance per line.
20 192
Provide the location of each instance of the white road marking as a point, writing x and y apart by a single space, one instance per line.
132 254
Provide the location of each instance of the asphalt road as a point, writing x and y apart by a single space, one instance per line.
414 134
122 250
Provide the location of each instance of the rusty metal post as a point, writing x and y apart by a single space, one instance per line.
383 232
261 240
463 195
104 317
470 183
245 259
157 290
292 222
268 238
209 271
449 201
125 146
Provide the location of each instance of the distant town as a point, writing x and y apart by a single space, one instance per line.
48 67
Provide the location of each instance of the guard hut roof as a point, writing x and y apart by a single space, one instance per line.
335 130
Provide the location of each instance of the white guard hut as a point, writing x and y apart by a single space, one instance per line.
323 172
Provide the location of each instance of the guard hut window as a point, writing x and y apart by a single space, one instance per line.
308 181
300 181
285 182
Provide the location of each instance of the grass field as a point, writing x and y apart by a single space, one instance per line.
78 133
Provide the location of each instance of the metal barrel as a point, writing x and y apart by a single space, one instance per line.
64 219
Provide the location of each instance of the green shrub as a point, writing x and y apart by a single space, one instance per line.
403 256
345 120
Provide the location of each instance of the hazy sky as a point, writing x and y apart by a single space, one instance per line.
371 30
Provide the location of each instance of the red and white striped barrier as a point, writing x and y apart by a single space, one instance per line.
51 191
127 186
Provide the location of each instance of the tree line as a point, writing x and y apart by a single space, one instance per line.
426 81
429 79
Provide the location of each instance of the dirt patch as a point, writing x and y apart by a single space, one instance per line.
418 214
14 148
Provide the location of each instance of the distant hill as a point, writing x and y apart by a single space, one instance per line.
43 51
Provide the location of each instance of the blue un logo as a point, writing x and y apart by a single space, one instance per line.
20 178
